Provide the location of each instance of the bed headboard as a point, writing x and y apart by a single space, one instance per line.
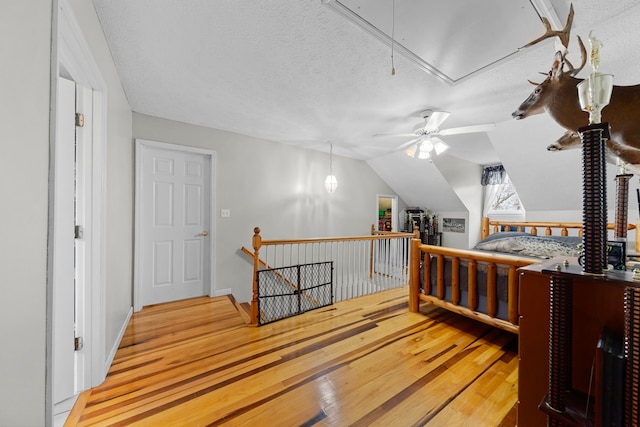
549 228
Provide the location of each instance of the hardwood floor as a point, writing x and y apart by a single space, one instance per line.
362 362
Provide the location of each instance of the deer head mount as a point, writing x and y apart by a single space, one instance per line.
558 96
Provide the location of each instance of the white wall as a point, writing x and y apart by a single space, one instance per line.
464 179
25 29
453 239
276 187
544 180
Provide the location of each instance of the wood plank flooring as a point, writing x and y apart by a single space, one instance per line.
363 362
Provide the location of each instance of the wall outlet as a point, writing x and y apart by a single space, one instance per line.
225 213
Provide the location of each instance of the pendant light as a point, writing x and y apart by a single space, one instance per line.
331 183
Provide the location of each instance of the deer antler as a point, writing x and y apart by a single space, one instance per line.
562 34
583 53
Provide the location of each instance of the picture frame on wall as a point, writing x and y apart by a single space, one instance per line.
453 225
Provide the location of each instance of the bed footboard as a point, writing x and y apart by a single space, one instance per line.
483 286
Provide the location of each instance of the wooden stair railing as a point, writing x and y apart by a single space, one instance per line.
268 267
258 243
278 275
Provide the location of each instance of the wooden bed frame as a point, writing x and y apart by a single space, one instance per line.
435 293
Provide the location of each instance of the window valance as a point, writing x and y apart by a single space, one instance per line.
492 175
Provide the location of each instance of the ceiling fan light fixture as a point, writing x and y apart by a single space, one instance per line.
439 146
427 145
425 142
418 151
425 148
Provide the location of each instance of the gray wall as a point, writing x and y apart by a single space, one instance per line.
25 27
25 31
276 187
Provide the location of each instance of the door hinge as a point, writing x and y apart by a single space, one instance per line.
79 119
78 232
78 343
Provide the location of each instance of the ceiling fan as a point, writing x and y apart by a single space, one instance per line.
425 140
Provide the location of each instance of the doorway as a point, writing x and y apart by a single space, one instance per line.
175 232
387 213
77 294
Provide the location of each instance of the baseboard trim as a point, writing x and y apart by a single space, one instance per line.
116 344
222 292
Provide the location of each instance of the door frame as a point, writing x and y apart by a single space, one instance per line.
394 210
72 59
137 252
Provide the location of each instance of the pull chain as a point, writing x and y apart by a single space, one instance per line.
393 30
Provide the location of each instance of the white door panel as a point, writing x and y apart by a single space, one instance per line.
192 255
174 217
63 257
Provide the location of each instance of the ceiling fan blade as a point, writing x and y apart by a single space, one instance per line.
405 135
468 129
435 119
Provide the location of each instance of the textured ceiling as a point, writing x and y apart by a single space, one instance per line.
299 72
492 31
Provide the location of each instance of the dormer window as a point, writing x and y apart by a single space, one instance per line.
500 196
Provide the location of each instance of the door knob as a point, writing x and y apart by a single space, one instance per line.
204 233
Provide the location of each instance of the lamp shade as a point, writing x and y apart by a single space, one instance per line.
439 146
423 149
331 183
594 93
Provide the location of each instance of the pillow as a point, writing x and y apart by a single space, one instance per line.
504 235
529 245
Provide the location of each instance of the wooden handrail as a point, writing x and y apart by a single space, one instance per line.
336 239
268 267
258 243
497 258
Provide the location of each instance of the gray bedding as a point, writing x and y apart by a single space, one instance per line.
526 244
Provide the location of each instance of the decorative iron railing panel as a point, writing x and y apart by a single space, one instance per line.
288 291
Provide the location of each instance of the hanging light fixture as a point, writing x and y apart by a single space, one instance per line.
424 148
331 183
421 150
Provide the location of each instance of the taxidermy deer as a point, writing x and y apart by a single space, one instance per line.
558 95
571 139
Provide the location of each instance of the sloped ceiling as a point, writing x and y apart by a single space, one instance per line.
300 72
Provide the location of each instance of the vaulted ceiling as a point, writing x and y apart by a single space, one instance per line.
309 72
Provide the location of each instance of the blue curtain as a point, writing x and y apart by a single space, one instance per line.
492 175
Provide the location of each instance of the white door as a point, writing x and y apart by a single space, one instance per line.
63 254
174 220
